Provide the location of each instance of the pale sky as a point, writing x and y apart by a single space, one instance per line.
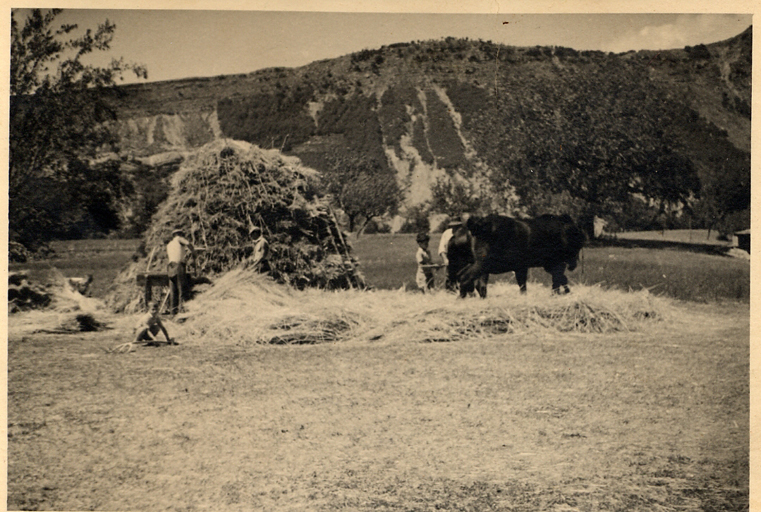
195 43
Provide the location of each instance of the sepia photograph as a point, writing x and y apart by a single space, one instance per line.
325 259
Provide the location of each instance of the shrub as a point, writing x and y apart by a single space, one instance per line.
375 226
416 220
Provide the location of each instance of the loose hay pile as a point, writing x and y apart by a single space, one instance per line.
66 311
245 308
222 191
23 295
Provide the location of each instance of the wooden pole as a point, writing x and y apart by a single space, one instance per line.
343 242
150 260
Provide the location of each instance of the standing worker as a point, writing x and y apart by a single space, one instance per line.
446 236
425 266
178 283
261 250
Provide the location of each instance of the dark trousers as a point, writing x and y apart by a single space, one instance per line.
451 282
177 286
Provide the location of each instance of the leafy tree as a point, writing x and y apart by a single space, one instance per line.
457 196
725 194
279 119
416 219
363 189
602 136
57 111
724 172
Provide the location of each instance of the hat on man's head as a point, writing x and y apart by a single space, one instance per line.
422 237
454 221
177 231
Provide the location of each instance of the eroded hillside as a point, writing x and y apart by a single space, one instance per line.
463 109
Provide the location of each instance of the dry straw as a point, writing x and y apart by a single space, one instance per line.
68 311
219 194
246 308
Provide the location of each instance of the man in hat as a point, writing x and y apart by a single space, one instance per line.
176 251
446 236
261 250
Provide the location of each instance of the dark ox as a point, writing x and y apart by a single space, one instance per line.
460 256
499 244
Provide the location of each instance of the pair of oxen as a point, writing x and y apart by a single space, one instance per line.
496 244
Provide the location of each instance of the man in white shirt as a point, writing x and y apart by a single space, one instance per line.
446 236
176 250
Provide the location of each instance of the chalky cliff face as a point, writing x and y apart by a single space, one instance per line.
148 136
414 129
456 109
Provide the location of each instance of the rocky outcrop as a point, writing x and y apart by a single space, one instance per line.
147 136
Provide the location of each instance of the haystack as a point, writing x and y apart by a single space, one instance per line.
218 195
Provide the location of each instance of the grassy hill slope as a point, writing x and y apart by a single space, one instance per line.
488 113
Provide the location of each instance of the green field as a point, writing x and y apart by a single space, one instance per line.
388 262
690 236
101 258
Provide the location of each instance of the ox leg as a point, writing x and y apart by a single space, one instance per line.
521 275
467 287
480 285
559 280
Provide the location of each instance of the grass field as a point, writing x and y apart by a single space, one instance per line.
655 417
101 258
388 262
689 236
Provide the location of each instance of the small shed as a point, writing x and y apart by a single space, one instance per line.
743 240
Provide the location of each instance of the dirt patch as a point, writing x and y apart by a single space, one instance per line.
523 421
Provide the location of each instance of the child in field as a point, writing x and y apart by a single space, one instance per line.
149 326
425 266
261 250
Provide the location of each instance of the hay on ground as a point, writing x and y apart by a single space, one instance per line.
83 322
246 308
65 310
223 190
23 295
